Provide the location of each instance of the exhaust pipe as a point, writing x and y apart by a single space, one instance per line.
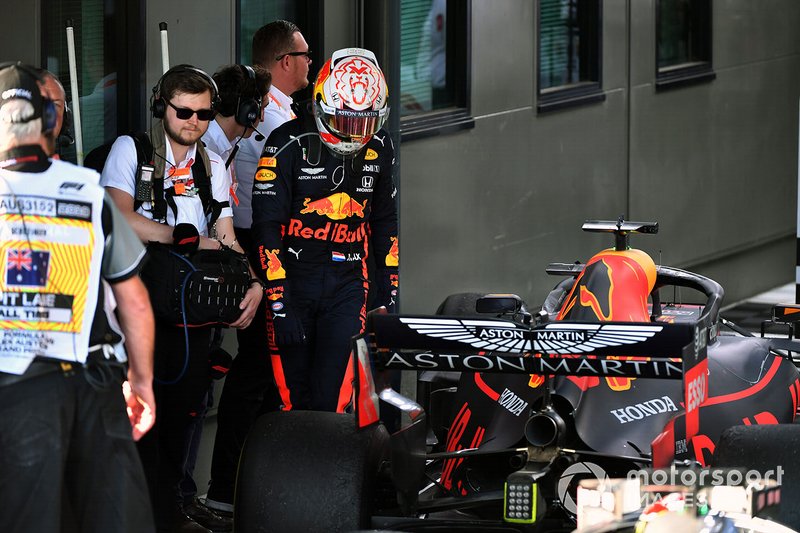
545 428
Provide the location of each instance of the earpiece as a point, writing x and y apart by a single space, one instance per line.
49 112
248 109
158 106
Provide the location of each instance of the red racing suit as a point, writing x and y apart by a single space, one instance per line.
316 218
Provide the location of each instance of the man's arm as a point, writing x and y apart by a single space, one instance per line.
383 228
272 199
122 257
138 325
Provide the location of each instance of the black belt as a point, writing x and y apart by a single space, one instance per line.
36 369
39 367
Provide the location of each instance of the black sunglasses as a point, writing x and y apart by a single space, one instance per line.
184 113
296 54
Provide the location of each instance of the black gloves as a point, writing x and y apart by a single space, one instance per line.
288 327
387 282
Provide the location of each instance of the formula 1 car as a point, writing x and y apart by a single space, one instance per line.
607 378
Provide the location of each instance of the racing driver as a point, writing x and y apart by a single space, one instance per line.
322 191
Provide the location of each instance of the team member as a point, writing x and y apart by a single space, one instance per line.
67 453
242 98
249 386
183 98
320 195
54 91
280 48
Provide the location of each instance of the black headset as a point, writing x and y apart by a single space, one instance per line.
158 105
49 113
248 108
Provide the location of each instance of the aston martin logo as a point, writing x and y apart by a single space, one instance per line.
313 170
559 338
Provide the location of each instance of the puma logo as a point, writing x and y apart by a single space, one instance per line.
296 253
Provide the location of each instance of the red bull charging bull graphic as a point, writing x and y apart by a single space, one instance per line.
336 206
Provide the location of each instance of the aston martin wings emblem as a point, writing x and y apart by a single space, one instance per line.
483 334
312 170
557 338
566 338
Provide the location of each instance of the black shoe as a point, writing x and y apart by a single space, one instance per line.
213 519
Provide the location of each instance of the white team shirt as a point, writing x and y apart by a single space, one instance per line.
120 169
276 113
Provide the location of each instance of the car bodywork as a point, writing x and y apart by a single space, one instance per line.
604 374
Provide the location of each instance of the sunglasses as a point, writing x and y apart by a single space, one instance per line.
184 113
296 54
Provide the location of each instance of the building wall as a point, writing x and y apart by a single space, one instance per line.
20 41
195 37
715 164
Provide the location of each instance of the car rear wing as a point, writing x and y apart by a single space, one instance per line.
615 349
621 349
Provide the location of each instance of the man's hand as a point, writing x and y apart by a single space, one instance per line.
288 327
249 306
141 405
387 286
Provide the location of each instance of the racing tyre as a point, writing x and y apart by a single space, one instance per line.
308 471
764 448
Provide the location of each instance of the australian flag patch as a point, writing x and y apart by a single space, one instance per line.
26 267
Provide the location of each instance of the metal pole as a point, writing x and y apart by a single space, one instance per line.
73 84
162 26
797 254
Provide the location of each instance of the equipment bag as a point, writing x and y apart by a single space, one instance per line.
198 289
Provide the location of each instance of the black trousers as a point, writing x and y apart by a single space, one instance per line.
331 302
67 458
180 383
249 390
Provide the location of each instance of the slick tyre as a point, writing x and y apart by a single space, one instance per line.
764 448
307 471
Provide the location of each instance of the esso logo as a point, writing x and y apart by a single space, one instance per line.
696 392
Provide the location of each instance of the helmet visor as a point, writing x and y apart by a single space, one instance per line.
348 123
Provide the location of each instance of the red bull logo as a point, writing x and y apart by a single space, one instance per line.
338 233
393 257
267 162
371 155
273 263
336 206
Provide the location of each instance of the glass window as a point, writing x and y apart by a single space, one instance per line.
683 41
255 13
423 56
306 14
96 65
434 65
569 53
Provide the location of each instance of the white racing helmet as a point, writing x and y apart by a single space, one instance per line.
351 101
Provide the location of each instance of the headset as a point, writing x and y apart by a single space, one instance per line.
158 105
49 113
248 109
